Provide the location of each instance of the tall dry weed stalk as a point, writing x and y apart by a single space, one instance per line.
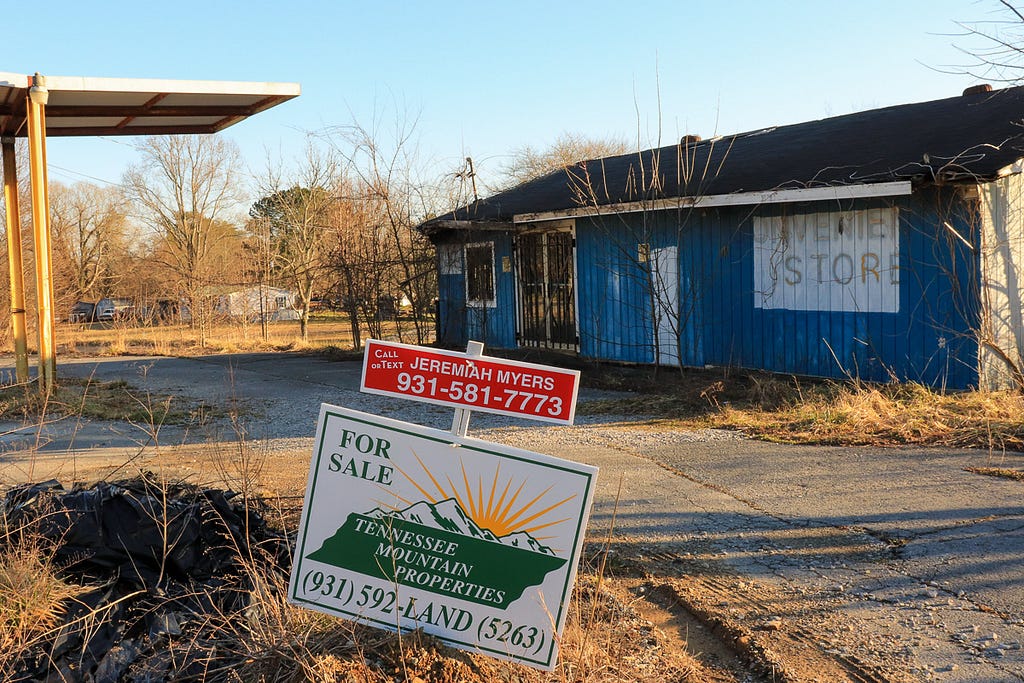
32 601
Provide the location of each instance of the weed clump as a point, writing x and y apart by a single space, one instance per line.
136 572
795 410
93 399
33 600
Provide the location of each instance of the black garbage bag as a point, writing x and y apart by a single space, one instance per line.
163 563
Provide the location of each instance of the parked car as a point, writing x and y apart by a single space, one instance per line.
110 309
82 312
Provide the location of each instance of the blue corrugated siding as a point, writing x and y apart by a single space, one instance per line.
941 281
929 339
937 312
492 325
451 323
614 300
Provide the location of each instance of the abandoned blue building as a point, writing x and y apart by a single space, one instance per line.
883 245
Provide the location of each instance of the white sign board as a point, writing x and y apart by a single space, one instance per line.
406 527
828 261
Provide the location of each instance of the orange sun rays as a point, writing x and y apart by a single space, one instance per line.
502 516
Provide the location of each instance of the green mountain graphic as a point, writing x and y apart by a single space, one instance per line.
438 547
449 516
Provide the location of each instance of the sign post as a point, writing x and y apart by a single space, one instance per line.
406 527
460 422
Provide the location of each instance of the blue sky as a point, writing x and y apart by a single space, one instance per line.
485 78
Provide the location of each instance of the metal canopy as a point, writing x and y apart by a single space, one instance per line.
79 106
37 107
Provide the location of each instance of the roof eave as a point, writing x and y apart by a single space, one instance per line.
435 226
805 194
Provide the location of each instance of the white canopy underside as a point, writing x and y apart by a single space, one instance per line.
80 106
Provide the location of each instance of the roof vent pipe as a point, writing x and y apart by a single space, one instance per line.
978 89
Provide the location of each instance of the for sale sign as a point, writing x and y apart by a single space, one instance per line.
461 380
406 527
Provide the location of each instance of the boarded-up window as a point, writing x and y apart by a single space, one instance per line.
450 259
828 261
480 274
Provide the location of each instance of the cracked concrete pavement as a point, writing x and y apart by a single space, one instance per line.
918 561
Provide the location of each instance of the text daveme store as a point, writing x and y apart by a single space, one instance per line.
834 261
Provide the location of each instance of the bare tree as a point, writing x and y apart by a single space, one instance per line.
259 266
995 45
296 215
90 231
183 186
567 150
387 177
356 258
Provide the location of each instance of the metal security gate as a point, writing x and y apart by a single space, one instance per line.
547 293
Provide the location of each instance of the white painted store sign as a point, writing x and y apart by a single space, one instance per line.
828 261
407 527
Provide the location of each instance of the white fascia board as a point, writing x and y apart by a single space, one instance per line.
151 85
12 80
154 85
807 194
1011 169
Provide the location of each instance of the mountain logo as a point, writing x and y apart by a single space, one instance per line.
440 548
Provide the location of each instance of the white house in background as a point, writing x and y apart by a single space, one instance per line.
258 301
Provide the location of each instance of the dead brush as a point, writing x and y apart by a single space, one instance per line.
223 337
605 641
269 639
859 413
34 596
252 633
772 392
240 461
33 601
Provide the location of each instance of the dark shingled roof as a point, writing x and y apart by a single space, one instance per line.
971 136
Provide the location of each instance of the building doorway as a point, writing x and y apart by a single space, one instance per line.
547 290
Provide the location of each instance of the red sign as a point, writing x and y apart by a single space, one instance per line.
461 380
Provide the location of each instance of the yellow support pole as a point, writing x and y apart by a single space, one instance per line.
37 98
16 267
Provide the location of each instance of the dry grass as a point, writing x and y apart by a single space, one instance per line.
33 599
604 641
225 337
889 415
268 639
791 410
1004 472
265 638
86 398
